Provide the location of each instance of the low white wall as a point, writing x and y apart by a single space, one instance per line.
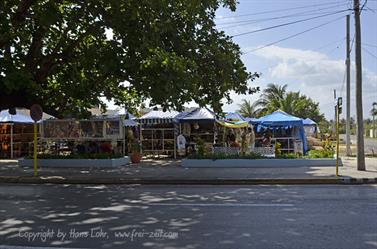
75 163
257 163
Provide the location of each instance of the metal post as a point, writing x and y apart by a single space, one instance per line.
11 140
35 148
337 140
334 123
348 102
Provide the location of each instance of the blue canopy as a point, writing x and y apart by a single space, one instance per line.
234 116
309 122
252 120
198 114
283 119
280 118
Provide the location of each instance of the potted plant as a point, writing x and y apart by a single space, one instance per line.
135 153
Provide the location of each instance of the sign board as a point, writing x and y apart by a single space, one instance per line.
36 112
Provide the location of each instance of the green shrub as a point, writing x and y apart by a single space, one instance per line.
278 150
287 156
320 154
200 147
219 156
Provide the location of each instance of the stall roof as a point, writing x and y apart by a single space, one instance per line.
280 118
234 116
198 114
5 117
252 120
309 122
130 123
159 117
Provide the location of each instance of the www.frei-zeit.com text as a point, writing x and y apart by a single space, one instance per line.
95 233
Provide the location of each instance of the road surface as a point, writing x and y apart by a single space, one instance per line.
188 217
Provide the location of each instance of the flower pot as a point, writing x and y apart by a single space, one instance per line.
136 157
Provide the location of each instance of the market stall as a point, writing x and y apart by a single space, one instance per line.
198 126
310 127
96 135
283 128
157 132
16 134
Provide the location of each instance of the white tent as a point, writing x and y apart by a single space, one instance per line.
6 117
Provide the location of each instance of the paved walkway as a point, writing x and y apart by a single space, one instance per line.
170 170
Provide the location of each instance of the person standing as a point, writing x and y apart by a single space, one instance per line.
181 145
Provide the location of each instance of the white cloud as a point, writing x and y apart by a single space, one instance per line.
312 73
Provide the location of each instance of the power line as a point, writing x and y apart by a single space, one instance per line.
286 24
281 10
244 23
366 50
294 35
330 43
280 17
369 45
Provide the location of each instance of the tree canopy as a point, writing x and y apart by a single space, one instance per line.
65 55
276 97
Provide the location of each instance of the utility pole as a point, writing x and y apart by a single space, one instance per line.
348 97
335 108
359 90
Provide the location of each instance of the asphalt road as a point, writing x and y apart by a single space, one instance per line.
190 217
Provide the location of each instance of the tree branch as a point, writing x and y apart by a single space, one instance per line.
22 9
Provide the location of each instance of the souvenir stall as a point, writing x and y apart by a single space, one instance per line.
280 127
310 127
157 133
96 135
16 134
131 126
236 137
198 126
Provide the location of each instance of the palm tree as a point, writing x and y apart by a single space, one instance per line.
270 98
276 97
247 109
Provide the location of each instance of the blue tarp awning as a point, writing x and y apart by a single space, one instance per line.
252 120
280 118
283 119
234 116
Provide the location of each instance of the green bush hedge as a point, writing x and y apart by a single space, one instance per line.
219 156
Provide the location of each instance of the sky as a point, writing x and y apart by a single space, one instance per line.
310 56
312 62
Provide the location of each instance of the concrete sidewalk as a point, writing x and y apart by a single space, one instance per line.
170 172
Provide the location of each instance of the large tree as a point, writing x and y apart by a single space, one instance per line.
276 97
66 54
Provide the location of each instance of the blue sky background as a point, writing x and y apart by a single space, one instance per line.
313 62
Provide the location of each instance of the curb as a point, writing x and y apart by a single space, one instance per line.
358 180
146 181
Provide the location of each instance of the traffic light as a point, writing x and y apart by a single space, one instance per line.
340 105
